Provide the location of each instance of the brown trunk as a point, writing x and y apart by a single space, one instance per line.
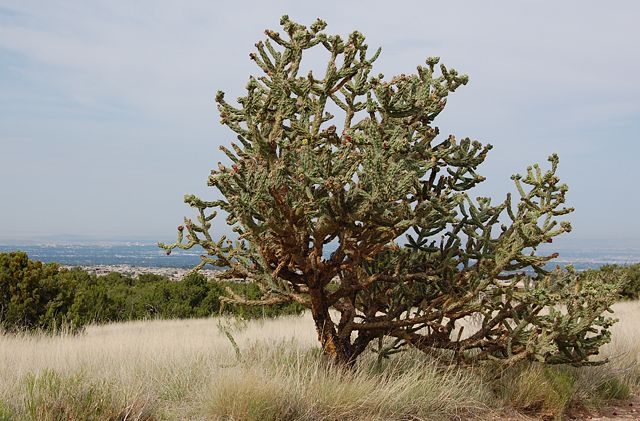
334 347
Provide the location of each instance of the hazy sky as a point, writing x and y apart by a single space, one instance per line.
107 115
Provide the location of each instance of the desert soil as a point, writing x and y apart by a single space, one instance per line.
624 410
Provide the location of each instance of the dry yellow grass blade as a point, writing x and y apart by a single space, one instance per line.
188 369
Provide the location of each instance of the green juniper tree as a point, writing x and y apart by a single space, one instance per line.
412 255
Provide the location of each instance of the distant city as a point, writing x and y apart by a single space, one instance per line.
582 254
132 254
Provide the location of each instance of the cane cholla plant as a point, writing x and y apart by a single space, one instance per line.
365 213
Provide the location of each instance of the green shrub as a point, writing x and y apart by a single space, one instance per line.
31 295
631 288
37 296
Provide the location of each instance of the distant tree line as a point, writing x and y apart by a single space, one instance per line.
44 296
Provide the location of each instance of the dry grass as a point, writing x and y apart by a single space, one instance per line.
188 369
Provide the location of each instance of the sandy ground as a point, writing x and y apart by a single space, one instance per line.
623 410
626 410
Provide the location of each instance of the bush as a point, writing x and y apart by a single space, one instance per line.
38 296
631 274
631 289
31 295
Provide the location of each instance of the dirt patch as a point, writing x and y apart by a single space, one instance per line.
623 410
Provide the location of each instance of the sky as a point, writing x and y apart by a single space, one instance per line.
107 112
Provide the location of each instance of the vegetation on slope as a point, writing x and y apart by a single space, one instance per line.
631 288
152 370
43 296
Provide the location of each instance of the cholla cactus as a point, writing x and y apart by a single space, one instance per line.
350 161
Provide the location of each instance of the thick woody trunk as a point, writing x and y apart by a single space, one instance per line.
334 347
